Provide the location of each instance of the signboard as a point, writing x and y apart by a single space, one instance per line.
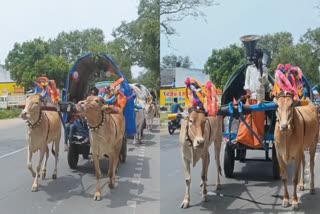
167 95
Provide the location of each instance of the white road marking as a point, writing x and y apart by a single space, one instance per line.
137 176
11 153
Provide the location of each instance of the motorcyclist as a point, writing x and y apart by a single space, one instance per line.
175 108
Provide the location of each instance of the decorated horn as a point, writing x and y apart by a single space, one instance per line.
110 100
45 94
250 42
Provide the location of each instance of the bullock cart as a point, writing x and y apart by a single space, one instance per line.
89 71
234 107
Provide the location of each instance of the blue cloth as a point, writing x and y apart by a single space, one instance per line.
137 106
305 92
175 107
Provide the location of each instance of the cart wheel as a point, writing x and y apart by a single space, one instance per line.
228 163
123 151
171 130
85 152
275 164
73 156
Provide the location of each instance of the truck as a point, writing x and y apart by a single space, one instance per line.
9 101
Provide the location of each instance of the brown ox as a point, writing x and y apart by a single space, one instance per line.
106 136
296 130
44 127
196 135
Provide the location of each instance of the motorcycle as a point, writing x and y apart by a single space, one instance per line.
174 122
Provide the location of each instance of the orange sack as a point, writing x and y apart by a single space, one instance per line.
256 122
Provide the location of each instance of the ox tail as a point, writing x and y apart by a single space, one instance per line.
52 150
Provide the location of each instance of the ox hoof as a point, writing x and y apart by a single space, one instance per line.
54 176
285 203
204 198
97 196
111 185
218 186
295 206
301 188
185 204
312 191
34 188
43 175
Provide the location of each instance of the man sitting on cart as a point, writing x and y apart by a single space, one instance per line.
256 80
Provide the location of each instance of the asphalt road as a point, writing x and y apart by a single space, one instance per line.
252 190
137 189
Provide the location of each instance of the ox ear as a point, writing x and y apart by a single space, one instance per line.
101 100
185 116
40 98
275 100
295 103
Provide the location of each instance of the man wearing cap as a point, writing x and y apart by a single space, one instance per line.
256 78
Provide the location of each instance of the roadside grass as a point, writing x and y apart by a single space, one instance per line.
10 113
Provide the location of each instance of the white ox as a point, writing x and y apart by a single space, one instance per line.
143 94
44 127
196 135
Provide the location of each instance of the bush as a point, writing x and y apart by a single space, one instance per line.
10 113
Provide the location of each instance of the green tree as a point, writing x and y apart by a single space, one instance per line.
76 43
300 55
275 42
176 10
53 67
173 61
312 37
223 62
22 58
142 38
118 51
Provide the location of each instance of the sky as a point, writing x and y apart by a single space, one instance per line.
232 19
26 20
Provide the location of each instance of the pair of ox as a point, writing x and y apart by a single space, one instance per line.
106 135
297 130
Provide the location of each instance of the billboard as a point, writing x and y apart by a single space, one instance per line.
167 95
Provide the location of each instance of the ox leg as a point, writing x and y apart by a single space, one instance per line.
29 162
217 149
97 195
134 138
284 175
56 157
312 156
151 122
204 174
186 200
44 167
36 179
295 183
115 161
303 164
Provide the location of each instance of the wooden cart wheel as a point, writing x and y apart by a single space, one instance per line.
229 159
73 156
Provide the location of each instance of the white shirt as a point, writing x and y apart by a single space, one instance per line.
255 82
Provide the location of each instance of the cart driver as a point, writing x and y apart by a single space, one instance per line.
256 78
